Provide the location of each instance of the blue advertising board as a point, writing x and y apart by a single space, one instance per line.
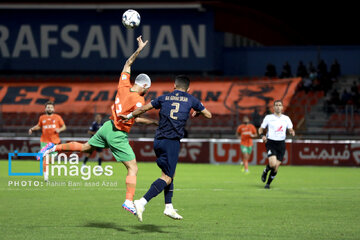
92 40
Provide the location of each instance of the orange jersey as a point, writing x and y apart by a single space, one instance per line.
245 130
126 102
48 125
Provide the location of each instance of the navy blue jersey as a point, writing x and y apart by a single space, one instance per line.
95 126
174 112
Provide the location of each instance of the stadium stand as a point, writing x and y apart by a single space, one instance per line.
306 109
301 103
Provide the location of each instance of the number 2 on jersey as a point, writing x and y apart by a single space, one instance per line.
175 110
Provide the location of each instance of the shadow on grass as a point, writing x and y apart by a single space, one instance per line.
150 228
146 228
105 225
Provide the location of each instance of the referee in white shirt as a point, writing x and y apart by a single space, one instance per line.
274 140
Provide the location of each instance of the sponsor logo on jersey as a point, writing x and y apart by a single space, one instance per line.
280 129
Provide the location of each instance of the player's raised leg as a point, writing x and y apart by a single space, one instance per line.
44 149
130 182
66 147
169 208
166 151
155 189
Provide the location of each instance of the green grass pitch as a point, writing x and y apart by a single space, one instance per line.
216 201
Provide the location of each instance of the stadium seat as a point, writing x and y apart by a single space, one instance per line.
300 94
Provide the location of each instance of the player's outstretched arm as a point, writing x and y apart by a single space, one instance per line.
131 60
206 113
146 121
137 112
34 128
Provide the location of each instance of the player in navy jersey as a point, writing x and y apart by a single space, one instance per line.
174 112
277 124
96 125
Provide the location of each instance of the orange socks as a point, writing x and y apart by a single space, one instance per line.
71 146
130 187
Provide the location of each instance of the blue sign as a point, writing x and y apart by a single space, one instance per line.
15 153
90 40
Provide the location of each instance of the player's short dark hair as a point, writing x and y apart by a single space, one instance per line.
182 81
276 101
49 103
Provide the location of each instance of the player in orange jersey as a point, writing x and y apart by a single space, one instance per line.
114 133
246 131
51 124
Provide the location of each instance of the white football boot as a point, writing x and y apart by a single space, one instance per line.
170 212
140 208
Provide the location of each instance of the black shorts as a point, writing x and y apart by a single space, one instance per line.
97 149
167 153
276 148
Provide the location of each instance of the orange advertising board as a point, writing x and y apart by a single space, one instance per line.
219 97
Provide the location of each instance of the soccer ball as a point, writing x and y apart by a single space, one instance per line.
131 19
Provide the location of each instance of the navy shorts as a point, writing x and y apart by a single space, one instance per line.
167 153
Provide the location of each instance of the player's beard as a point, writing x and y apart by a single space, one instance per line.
49 112
143 93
